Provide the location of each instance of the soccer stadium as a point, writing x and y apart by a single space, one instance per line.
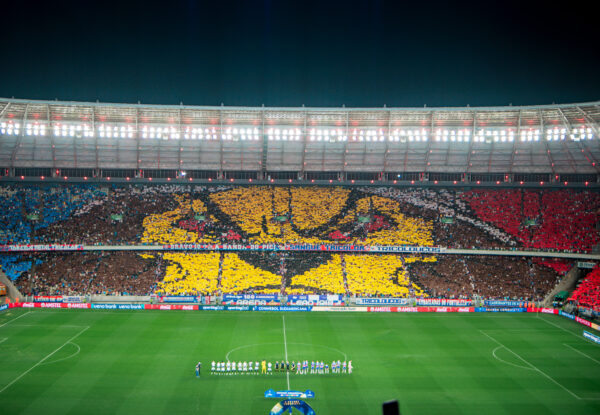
214 260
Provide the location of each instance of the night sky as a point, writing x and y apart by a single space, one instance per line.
290 53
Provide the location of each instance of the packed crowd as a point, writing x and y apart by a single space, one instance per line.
362 275
238 276
190 274
27 210
379 275
77 273
499 218
324 278
482 218
553 219
587 293
484 276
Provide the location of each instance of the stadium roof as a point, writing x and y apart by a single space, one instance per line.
545 139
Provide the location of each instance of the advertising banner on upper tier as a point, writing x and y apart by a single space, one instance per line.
178 299
505 303
251 299
444 301
47 247
305 247
48 298
312 299
245 247
381 301
170 307
118 306
72 299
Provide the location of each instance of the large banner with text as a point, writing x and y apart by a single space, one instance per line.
235 247
313 299
251 299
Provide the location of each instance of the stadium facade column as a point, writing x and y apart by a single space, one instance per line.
547 148
13 155
265 147
564 145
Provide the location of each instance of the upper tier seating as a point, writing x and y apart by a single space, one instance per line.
169 214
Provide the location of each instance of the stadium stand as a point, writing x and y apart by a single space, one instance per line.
189 273
553 219
380 275
167 214
72 273
501 277
239 276
325 278
587 293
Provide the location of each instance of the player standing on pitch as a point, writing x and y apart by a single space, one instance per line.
198 367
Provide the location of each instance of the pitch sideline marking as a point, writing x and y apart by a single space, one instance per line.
16 318
508 363
287 372
580 352
43 360
65 358
3 340
48 325
531 365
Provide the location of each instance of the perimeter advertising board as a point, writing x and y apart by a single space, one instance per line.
251 299
443 302
48 298
505 303
178 299
312 299
381 301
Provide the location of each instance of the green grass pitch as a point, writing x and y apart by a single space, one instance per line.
142 362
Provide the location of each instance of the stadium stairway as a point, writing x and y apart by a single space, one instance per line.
11 291
567 283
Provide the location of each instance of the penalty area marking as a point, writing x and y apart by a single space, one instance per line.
43 360
534 367
16 318
508 363
65 358
581 353
567 330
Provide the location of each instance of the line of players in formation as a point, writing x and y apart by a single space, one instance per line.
300 368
